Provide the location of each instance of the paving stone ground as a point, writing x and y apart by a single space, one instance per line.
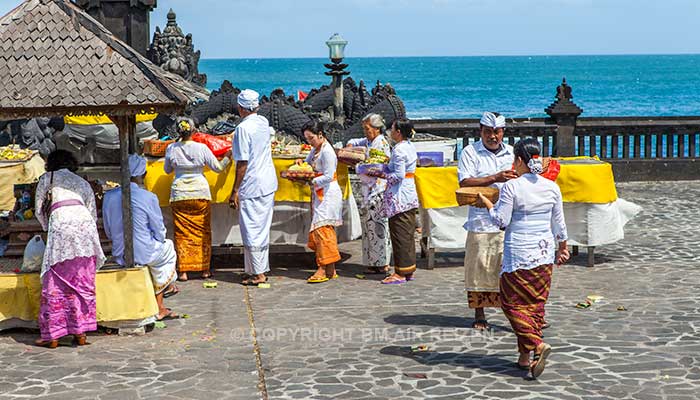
352 338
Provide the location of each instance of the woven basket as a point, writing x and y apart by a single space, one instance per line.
156 148
469 196
297 175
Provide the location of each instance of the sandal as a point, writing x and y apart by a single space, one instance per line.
317 279
376 271
410 277
483 322
172 291
80 340
539 360
335 276
522 367
169 315
252 282
545 325
393 280
49 344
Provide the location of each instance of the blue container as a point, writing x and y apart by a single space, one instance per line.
431 159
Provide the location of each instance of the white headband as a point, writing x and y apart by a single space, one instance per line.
249 99
492 121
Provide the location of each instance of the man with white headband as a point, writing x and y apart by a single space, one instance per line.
255 186
151 248
487 162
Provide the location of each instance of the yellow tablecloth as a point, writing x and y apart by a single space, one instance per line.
14 173
581 180
158 182
121 295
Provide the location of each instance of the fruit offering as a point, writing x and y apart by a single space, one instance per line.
377 157
14 153
299 172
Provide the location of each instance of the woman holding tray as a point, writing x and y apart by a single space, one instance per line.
326 203
376 250
401 202
531 211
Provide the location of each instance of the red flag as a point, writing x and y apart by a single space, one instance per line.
301 96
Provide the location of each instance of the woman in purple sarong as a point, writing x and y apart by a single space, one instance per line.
65 205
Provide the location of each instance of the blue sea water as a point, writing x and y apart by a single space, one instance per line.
464 87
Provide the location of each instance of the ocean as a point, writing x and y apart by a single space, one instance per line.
519 87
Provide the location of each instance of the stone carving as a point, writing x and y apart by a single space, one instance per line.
173 51
288 115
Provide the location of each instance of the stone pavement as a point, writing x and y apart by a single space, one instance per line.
352 338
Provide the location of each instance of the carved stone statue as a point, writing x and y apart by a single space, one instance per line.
174 52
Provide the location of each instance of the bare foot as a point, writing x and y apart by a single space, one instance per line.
182 277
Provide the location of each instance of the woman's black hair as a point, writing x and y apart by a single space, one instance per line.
60 159
405 127
526 148
315 127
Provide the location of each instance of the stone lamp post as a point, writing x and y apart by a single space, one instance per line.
336 46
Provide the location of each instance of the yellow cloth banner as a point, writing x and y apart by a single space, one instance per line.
121 295
581 180
102 119
220 185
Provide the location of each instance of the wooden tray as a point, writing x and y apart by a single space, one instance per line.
469 196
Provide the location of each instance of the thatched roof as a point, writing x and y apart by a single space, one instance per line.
55 60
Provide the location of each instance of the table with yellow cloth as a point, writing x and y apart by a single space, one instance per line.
594 214
122 295
291 219
12 173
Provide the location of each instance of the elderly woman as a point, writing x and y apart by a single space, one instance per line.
401 202
190 200
65 205
326 203
376 251
530 209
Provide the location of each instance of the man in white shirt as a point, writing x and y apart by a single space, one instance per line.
255 186
487 162
151 248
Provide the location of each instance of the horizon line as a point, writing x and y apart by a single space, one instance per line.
463 56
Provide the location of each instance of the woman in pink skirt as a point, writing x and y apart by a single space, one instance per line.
65 205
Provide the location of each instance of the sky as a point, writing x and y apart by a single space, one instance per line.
391 28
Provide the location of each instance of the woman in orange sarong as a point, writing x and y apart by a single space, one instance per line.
190 200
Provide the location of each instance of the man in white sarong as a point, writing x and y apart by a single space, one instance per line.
255 186
151 248
488 162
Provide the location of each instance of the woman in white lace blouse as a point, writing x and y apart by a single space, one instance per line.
65 205
530 209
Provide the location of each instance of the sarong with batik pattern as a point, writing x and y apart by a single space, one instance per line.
192 232
68 305
523 296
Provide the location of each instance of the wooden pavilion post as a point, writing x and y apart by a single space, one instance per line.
126 126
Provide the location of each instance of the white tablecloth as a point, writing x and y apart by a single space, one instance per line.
291 222
587 224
